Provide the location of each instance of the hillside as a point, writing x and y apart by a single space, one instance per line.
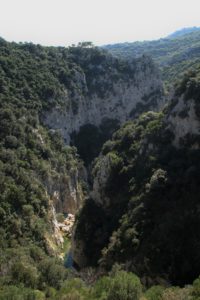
183 31
88 136
75 87
37 173
143 211
49 96
174 54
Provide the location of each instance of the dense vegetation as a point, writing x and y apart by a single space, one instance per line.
183 31
174 54
150 226
34 79
31 158
117 285
41 78
148 216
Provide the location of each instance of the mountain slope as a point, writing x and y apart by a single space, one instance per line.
183 31
144 208
43 179
106 92
174 54
143 211
78 86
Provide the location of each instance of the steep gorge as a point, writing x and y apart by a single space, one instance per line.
66 90
143 211
142 208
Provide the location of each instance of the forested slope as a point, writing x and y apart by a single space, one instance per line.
144 208
174 54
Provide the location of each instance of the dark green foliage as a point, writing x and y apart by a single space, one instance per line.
73 289
37 77
101 70
52 273
124 286
34 79
158 185
154 293
24 204
190 85
151 222
152 191
20 293
31 158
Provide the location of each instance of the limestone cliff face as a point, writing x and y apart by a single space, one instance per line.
109 98
183 121
66 192
65 196
63 184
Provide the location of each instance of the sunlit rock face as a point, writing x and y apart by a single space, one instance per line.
184 122
122 99
66 192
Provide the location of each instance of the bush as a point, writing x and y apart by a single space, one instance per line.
196 289
25 274
20 293
176 293
73 289
53 273
154 293
101 288
124 286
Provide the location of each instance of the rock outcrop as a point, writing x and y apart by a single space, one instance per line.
66 192
61 230
112 95
183 121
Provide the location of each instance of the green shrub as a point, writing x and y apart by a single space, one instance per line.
154 293
176 293
101 288
124 286
20 293
25 273
73 289
195 292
